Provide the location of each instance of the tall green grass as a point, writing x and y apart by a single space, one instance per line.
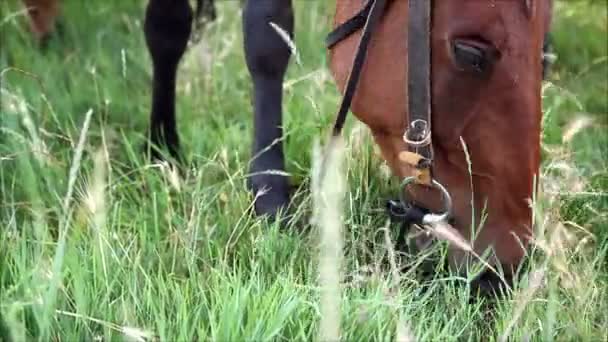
96 243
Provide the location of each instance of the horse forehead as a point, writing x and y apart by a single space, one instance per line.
507 24
523 7
512 13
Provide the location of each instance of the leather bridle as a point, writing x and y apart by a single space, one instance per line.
418 134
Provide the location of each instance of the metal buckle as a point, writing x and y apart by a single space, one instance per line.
421 134
431 218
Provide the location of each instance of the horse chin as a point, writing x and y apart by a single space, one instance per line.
499 240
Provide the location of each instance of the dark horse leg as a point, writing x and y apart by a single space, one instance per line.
167 28
267 56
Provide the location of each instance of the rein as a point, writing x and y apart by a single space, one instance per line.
417 135
373 11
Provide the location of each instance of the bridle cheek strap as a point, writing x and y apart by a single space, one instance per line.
417 134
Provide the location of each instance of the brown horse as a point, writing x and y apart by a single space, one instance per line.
485 91
43 14
486 88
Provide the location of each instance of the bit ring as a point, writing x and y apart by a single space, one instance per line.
431 218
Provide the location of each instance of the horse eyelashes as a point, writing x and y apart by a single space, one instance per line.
469 57
474 56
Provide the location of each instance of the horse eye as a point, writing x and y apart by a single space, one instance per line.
474 55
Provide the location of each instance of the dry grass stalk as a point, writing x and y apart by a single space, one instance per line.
328 186
575 126
76 161
396 279
535 282
287 39
95 198
404 333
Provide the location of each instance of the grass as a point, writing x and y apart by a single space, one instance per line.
97 244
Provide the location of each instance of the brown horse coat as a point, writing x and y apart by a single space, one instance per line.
43 14
497 112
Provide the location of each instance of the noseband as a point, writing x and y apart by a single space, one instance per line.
418 134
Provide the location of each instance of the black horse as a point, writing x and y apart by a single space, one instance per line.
168 26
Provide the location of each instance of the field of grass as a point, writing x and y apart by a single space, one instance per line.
98 244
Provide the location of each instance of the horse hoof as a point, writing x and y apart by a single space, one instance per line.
272 204
271 196
158 153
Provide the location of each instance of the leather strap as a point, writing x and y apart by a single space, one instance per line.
376 11
349 27
418 132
